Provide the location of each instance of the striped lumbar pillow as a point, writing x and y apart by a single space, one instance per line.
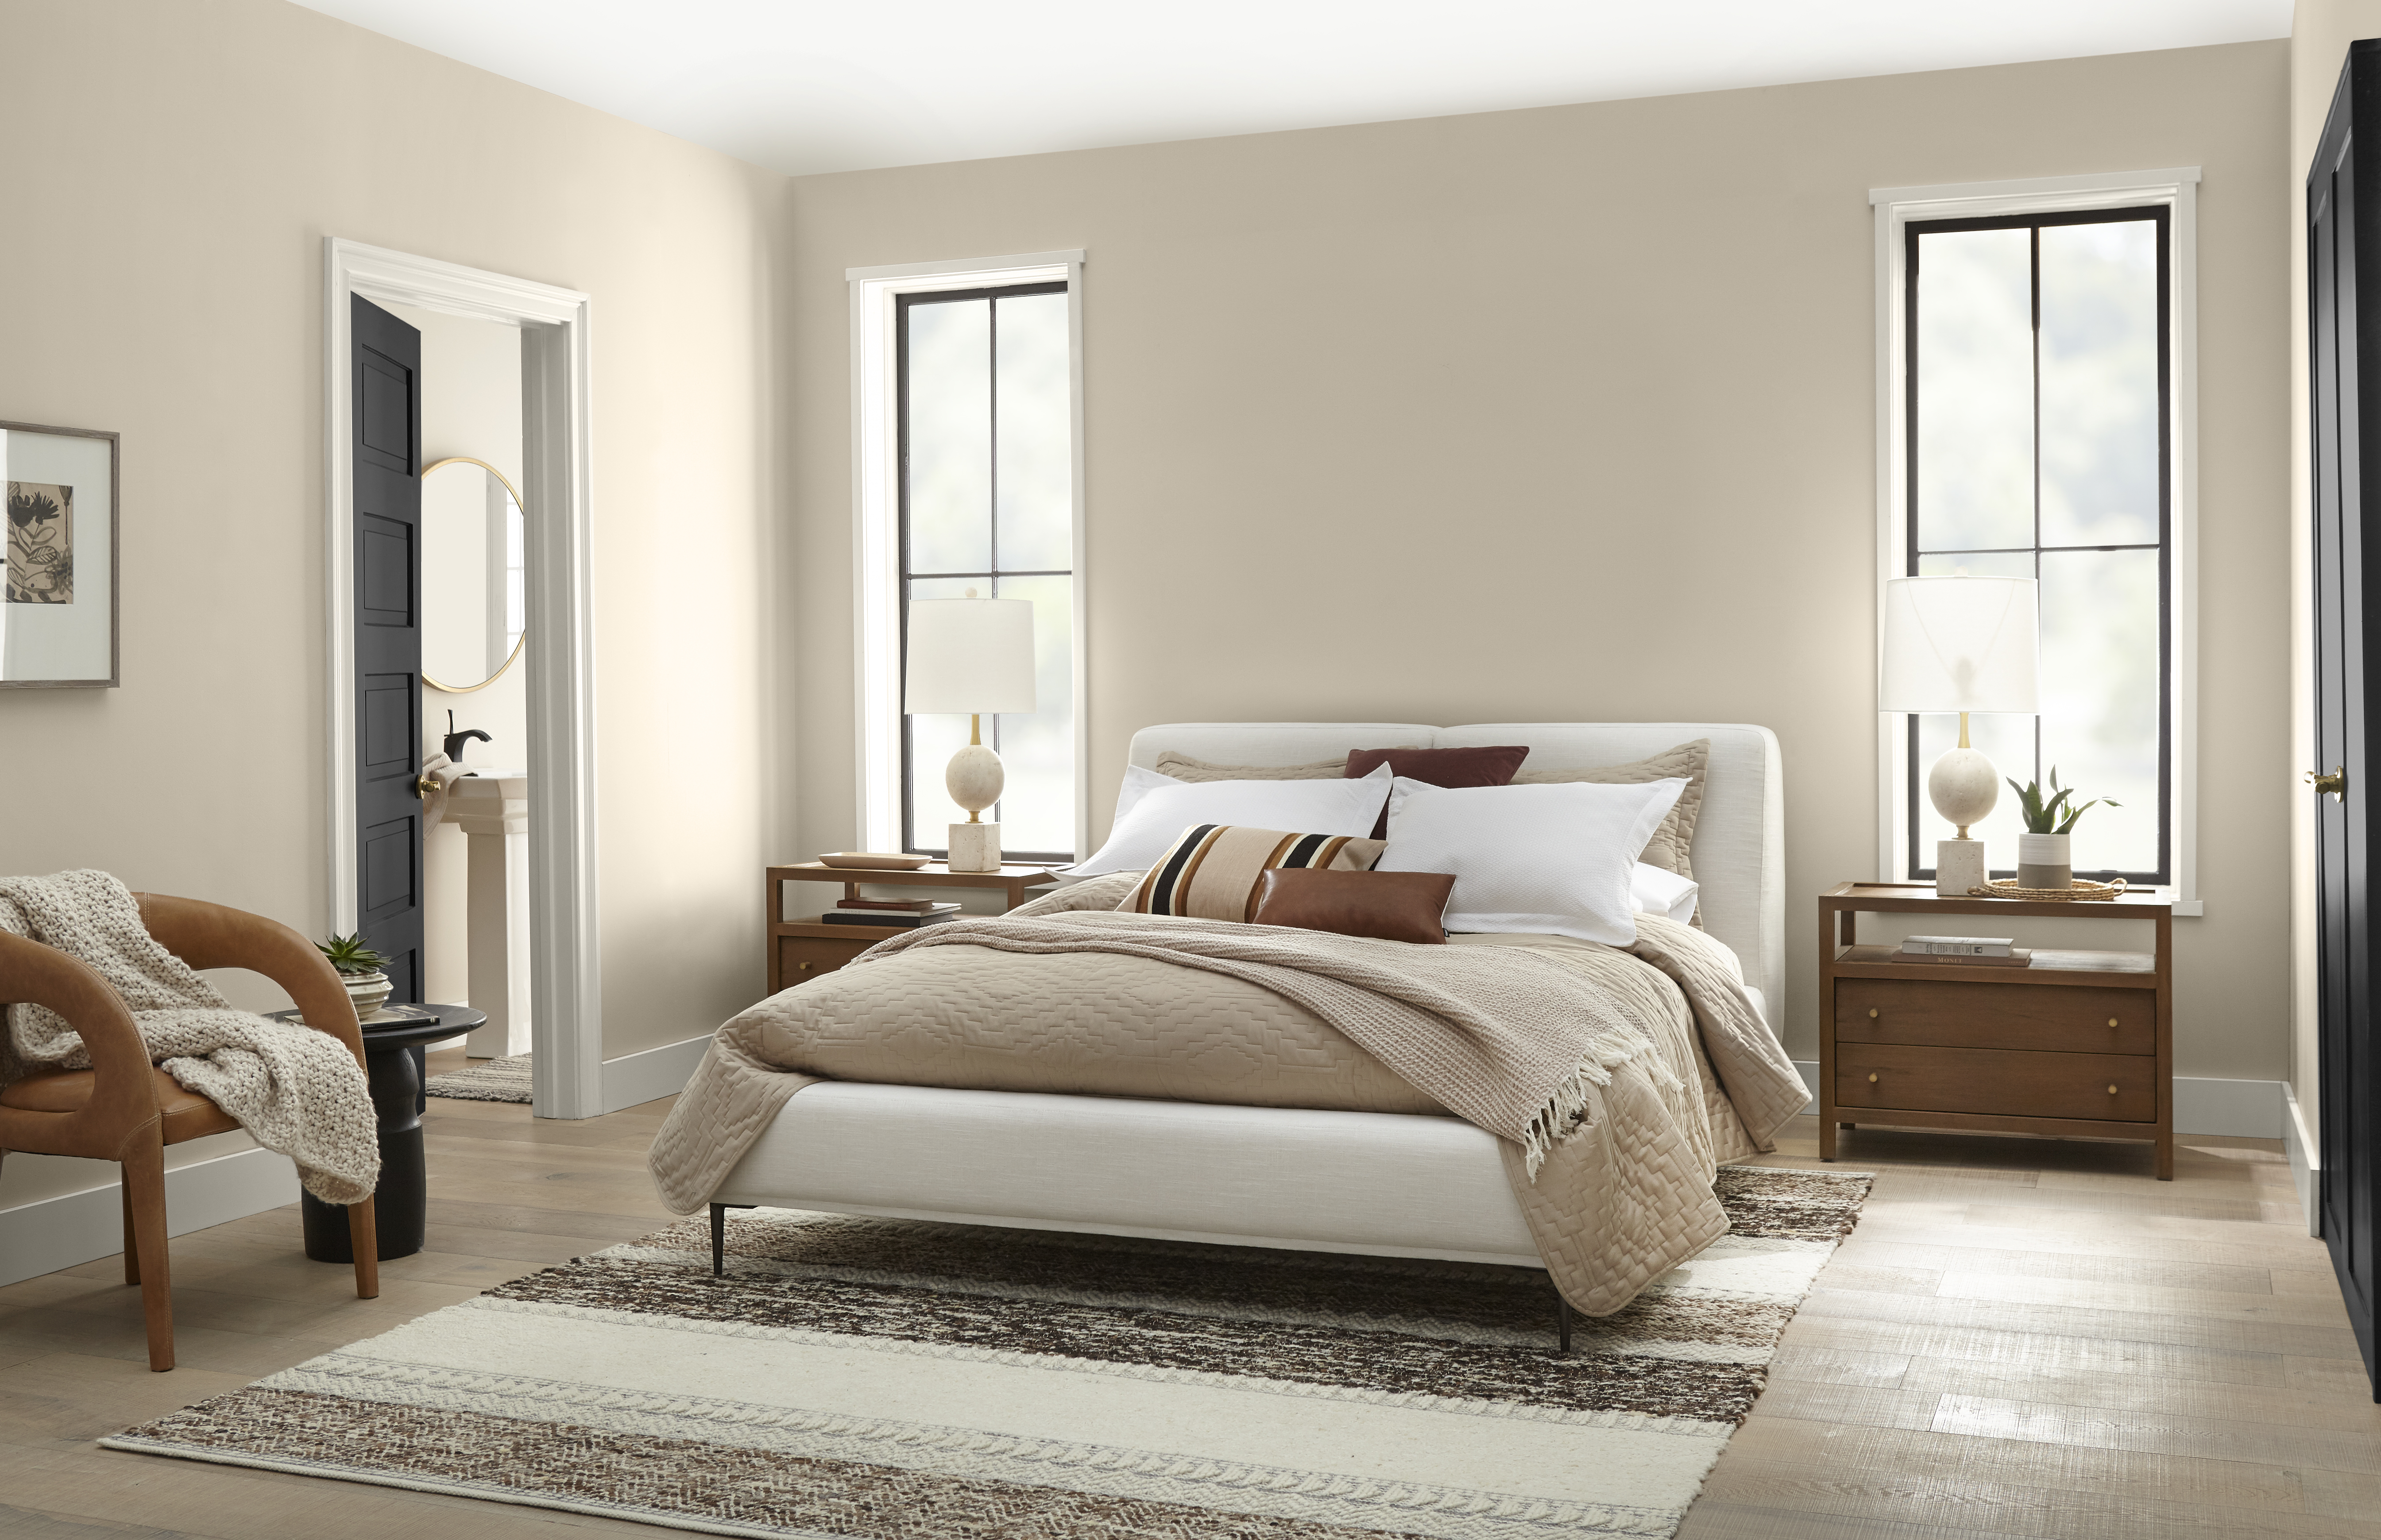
1214 871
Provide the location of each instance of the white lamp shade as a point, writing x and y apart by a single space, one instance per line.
1959 645
970 656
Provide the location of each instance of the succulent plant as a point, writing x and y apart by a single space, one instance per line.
350 955
2043 816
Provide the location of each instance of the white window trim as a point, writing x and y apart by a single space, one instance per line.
876 472
2178 188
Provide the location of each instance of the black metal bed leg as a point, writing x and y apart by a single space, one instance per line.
1562 1323
718 1240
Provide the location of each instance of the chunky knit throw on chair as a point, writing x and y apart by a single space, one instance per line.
296 1089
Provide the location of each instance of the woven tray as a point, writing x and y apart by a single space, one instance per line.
2080 891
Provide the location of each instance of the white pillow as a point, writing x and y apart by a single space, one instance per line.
1552 860
1653 891
1138 783
1156 817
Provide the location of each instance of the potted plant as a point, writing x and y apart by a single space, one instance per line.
2042 851
359 969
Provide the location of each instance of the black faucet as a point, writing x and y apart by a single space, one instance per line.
458 741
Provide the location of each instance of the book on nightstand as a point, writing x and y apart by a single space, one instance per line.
895 919
1956 946
2015 956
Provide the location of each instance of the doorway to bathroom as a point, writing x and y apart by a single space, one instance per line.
492 583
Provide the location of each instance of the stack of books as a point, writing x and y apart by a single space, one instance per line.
904 913
1988 951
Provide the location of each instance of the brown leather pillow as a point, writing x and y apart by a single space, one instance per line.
1449 767
1392 906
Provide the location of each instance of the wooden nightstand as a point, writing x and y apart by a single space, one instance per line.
2081 1042
802 949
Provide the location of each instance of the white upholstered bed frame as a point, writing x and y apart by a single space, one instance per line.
1370 1182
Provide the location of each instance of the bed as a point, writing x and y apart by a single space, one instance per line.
1411 1184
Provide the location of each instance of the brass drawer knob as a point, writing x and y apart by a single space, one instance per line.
1871 1014
801 968
1872 1076
2112 1091
2112 1021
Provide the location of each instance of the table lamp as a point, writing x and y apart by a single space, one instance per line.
972 655
1959 645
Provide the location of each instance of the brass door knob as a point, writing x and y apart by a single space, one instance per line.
1872 1015
426 788
2333 786
1872 1076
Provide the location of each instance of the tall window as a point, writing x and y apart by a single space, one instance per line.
987 486
2039 378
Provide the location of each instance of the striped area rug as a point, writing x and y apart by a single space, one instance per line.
493 1080
874 1379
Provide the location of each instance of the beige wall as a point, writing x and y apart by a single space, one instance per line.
2320 33
172 168
1568 414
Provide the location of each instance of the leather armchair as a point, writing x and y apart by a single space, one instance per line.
124 1109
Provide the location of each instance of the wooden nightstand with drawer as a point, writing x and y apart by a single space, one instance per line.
2080 1044
800 950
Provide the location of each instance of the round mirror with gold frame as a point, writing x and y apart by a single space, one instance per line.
474 545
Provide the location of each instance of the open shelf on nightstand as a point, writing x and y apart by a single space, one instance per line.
2115 970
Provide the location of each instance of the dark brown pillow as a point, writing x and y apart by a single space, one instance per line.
1449 767
1392 906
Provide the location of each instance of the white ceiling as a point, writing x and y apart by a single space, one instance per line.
804 86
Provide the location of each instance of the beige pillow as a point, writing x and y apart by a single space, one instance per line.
1182 767
1216 871
1667 848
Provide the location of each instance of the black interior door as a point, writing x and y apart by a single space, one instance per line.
386 380
2343 265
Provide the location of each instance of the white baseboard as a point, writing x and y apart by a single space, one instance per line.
2306 1156
43 1236
2232 1109
636 1078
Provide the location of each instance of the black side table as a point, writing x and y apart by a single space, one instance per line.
392 1067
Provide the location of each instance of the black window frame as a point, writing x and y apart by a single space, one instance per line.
2162 216
902 305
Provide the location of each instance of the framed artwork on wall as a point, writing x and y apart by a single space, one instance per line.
58 625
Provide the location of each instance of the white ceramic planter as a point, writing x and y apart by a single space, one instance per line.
2042 860
368 992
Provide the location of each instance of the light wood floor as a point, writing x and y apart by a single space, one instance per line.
2022 1338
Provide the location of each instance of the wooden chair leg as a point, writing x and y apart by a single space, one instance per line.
131 1247
364 1239
144 1192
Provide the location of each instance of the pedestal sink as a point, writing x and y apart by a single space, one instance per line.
492 808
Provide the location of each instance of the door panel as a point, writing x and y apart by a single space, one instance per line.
2343 258
387 452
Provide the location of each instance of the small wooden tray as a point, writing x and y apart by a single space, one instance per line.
870 861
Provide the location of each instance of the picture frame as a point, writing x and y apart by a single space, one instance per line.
61 577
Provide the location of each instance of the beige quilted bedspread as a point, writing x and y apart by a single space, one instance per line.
1621 1197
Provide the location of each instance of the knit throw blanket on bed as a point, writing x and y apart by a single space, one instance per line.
296 1089
1511 1043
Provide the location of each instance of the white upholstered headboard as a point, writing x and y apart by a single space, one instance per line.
1740 844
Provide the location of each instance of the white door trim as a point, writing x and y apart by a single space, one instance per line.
565 976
